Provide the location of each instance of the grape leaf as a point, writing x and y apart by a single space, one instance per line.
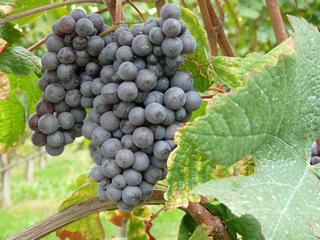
116 216
12 122
25 5
247 226
187 227
19 61
140 225
88 228
201 232
30 85
273 118
199 112
9 33
198 72
12 117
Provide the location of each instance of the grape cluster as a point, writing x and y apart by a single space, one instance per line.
144 98
315 154
138 97
70 61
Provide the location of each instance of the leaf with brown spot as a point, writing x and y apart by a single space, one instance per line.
3 45
6 9
88 228
116 217
140 225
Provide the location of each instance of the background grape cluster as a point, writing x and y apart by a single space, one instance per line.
315 154
130 79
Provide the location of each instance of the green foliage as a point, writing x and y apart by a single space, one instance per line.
19 61
139 225
9 33
201 232
187 227
22 6
12 117
274 118
247 226
197 72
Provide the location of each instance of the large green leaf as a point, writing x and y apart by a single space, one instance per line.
274 119
200 71
19 61
235 72
12 117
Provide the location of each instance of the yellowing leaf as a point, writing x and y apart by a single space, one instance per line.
4 86
6 9
3 45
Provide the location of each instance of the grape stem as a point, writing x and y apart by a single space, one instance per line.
56 5
276 20
212 35
217 23
159 5
37 45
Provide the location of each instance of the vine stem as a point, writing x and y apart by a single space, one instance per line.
276 20
218 26
95 205
56 5
211 32
37 45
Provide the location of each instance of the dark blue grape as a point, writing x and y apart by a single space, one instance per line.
48 124
110 148
137 116
141 161
55 139
99 136
84 27
119 182
172 47
142 46
124 158
174 98
170 10
131 195
109 168
109 121
97 174
114 194
132 177
143 137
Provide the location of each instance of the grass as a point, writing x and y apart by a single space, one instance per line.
32 202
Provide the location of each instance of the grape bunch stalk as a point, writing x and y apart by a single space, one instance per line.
137 96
